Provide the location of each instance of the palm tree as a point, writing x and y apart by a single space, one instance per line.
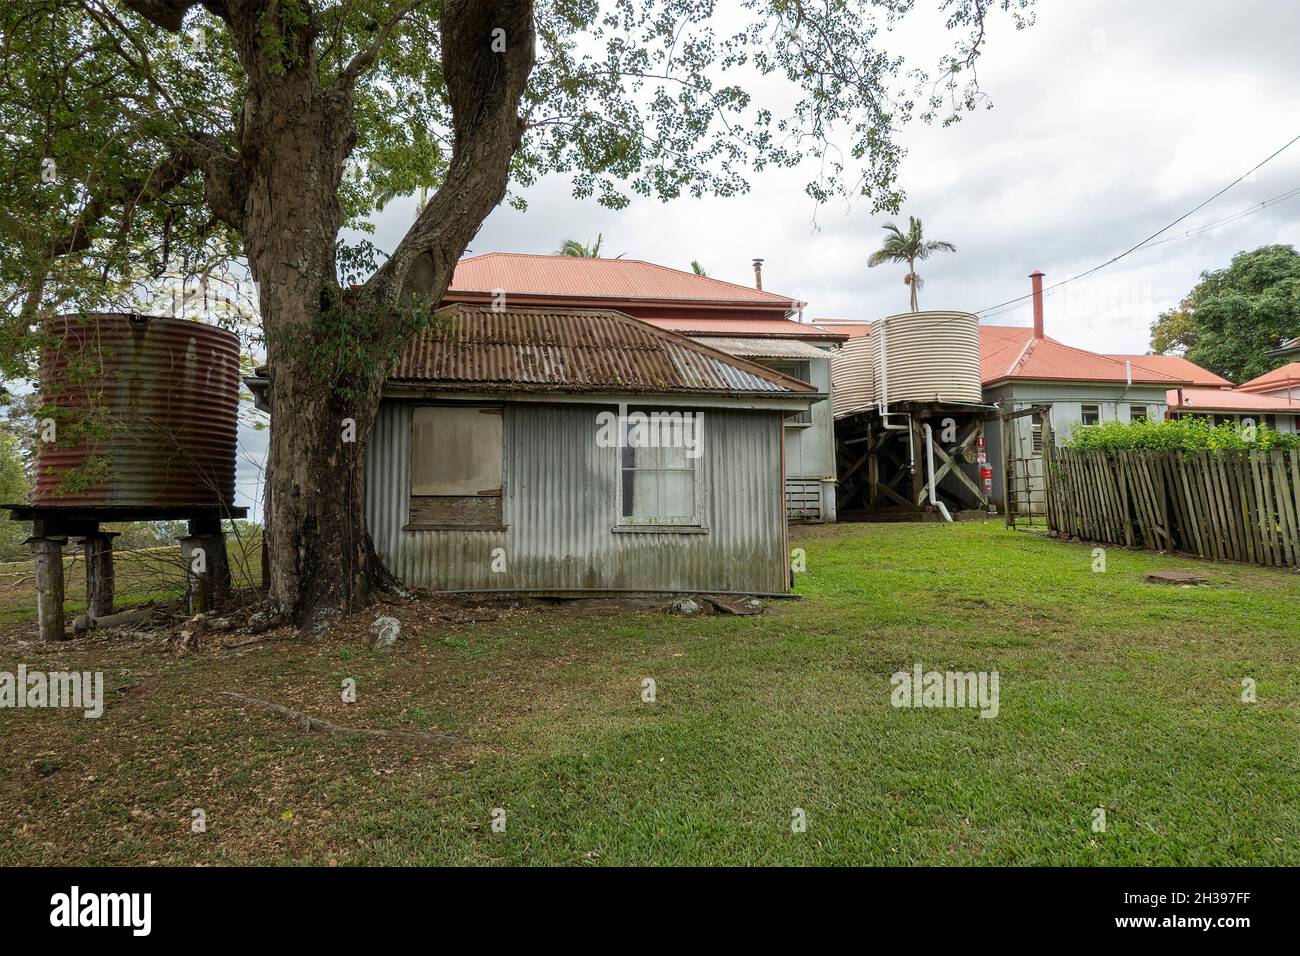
572 247
908 248
698 269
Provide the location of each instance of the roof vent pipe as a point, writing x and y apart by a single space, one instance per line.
758 274
1037 278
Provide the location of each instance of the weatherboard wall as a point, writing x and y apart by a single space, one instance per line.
560 503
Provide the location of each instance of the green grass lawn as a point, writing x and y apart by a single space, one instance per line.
1114 693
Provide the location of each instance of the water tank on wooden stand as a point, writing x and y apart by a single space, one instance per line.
144 413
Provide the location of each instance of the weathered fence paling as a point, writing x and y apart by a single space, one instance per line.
1226 504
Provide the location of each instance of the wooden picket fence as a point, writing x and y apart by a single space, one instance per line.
1231 505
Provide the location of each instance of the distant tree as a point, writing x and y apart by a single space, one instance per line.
1174 331
698 269
908 248
572 247
1234 316
13 489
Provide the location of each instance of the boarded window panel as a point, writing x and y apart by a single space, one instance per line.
455 451
455 511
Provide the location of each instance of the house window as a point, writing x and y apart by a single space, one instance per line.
1036 433
455 475
660 486
803 372
1270 421
1091 414
1138 413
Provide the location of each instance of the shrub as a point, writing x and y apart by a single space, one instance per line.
1179 434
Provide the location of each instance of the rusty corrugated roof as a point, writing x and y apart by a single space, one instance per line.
575 350
573 276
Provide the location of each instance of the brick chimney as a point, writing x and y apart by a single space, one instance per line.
1037 278
758 274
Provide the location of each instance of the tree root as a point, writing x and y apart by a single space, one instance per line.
320 725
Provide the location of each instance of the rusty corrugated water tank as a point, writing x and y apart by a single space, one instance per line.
146 411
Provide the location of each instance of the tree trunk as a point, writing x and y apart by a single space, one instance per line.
329 350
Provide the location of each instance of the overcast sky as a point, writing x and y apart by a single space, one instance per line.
1110 119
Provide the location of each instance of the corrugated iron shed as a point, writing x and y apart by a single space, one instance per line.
575 350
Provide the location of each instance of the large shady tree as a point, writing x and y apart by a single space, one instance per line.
145 138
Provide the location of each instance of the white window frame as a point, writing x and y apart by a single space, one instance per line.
696 523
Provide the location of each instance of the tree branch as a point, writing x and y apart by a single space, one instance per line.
168 14
225 190
486 73
366 58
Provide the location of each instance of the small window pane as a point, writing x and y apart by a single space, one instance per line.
1137 413
1091 414
658 485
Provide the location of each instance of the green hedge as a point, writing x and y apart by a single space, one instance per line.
1179 434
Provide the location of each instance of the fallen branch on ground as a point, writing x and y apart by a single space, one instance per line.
320 725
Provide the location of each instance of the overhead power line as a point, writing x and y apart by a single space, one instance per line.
1161 231
1250 210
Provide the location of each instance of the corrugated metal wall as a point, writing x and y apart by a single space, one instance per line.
560 505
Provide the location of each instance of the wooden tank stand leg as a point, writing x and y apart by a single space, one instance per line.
207 565
198 574
47 555
100 577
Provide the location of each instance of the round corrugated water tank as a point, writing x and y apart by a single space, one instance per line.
932 356
144 413
853 375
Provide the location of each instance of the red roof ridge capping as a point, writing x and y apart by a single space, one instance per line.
678 290
576 350
1280 377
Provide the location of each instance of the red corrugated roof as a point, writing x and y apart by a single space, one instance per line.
575 350
783 328
1179 367
574 277
1288 374
847 327
1012 352
1227 400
